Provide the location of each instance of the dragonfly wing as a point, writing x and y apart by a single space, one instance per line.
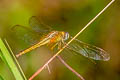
38 26
26 34
88 50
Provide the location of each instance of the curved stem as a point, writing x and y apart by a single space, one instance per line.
70 68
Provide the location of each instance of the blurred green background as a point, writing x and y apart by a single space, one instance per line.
70 16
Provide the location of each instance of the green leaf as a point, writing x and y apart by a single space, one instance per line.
11 61
1 78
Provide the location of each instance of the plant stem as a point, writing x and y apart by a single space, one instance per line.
70 68
7 58
1 78
16 61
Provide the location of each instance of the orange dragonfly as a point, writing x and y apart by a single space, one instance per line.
42 34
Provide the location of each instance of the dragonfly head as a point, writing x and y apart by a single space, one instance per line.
66 36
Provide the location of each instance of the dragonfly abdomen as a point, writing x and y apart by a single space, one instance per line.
28 49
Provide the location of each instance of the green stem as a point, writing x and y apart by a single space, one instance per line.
7 58
1 78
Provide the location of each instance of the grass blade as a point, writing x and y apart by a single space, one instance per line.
7 58
1 78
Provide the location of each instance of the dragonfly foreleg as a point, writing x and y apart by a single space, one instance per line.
59 45
53 46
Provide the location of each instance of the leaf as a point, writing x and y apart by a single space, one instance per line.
10 61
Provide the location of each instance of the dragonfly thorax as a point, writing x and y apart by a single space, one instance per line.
56 36
63 35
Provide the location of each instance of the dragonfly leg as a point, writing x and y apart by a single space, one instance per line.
53 46
59 45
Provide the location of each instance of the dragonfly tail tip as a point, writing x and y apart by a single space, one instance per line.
17 55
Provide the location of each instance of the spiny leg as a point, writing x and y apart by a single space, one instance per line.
53 46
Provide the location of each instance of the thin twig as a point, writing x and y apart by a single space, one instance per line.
7 58
70 68
15 59
70 41
48 69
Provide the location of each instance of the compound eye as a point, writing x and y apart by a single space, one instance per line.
66 36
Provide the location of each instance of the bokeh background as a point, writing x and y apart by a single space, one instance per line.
70 16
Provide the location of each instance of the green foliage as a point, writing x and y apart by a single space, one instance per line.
7 58
1 78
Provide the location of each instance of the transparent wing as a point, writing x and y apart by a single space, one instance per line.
88 50
33 33
26 34
38 26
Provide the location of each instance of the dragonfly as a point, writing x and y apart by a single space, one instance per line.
39 34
